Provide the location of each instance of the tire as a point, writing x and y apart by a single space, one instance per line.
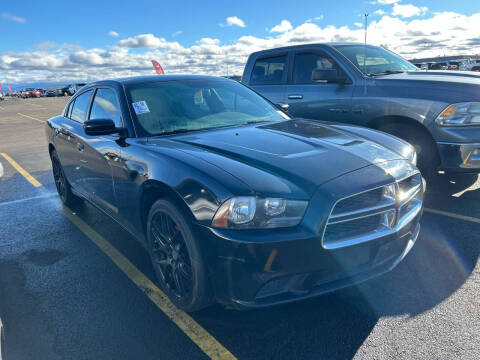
428 161
176 257
64 188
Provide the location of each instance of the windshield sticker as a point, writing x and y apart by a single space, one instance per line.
140 107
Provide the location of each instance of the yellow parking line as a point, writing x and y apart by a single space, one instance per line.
209 345
22 171
201 337
31 117
453 215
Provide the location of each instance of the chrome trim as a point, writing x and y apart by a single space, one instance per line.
351 214
382 230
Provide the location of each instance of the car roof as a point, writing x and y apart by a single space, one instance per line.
154 78
307 46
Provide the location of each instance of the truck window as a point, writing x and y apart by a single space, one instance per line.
268 71
305 63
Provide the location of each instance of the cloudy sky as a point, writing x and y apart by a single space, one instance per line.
89 40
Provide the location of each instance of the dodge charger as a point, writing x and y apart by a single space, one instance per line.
235 201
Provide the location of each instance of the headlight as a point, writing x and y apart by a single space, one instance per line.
462 114
254 213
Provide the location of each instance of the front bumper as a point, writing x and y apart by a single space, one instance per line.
460 157
258 268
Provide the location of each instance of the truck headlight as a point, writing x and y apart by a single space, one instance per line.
248 212
461 114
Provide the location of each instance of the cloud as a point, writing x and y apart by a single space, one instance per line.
10 17
284 25
46 45
379 12
408 10
358 24
234 21
436 34
113 33
176 33
316 18
148 41
386 2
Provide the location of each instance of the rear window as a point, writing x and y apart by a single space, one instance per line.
268 71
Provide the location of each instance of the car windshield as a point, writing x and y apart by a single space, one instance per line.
165 107
375 60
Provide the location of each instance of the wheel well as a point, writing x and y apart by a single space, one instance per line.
50 149
154 190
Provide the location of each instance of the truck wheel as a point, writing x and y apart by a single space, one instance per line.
176 257
428 160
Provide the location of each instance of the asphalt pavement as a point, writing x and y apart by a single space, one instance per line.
75 285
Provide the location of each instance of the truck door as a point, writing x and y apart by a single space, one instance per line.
269 76
312 98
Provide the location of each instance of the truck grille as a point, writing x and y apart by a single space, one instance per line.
373 213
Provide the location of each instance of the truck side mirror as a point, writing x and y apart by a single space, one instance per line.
328 76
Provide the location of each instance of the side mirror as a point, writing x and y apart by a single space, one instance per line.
99 127
328 76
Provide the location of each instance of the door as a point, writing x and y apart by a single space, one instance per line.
269 76
101 155
329 100
68 140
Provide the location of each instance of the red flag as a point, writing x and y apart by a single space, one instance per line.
158 68
0 87
9 89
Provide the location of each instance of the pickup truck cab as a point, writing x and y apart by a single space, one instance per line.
436 111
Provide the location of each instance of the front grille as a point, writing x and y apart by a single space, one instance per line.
360 201
373 213
348 229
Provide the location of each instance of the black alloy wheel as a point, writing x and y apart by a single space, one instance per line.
61 183
176 257
59 177
170 256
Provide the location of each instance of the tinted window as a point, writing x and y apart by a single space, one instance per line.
305 63
105 106
167 106
268 71
80 107
374 60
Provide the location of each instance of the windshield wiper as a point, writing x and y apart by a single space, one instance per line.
387 72
176 131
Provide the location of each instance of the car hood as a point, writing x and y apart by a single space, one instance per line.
288 158
448 76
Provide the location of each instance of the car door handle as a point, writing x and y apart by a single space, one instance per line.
80 147
295 97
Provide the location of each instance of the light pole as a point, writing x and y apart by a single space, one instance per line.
366 25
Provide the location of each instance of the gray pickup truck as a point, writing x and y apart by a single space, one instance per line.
436 111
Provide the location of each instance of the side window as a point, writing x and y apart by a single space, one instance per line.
305 63
105 106
80 107
268 71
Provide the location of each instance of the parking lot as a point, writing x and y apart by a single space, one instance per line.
75 285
